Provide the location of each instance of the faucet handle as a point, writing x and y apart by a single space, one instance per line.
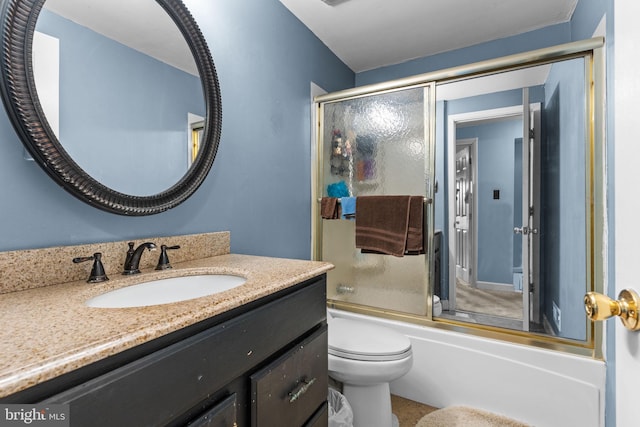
97 274
129 253
163 261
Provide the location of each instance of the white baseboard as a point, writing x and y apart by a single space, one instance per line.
493 286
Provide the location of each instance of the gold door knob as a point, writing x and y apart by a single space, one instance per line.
601 307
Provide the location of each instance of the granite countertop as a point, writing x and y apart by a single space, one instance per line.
49 331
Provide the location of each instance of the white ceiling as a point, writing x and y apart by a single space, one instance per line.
367 34
140 24
364 34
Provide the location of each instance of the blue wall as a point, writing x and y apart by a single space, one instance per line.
259 187
563 236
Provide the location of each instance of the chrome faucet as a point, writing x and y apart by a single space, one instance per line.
132 262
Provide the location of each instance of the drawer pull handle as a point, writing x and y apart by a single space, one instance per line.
301 389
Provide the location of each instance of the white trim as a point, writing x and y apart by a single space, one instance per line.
495 286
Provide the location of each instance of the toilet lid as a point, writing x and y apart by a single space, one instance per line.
362 341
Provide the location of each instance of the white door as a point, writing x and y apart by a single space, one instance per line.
627 204
464 203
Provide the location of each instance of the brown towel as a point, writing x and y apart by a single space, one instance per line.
415 229
329 208
382 223
414 243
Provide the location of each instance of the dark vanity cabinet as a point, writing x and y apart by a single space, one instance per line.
264 364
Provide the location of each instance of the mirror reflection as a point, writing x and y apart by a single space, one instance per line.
512 212
127 113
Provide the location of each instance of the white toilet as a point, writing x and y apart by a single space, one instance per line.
437 306
365 358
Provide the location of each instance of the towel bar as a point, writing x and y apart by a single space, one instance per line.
426 200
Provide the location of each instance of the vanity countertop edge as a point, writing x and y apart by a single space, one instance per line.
49 331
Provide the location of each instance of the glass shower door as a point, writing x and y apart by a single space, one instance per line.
375 145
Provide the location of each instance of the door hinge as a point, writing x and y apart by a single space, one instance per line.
532 288
532 134
531 210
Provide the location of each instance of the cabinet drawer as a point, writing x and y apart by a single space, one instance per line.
291 389
320 418
221 415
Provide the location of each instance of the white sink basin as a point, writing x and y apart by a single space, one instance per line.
165 291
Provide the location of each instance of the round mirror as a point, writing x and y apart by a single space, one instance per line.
118 101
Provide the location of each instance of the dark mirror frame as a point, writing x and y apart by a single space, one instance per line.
19 95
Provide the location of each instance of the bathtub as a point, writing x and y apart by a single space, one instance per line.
536 386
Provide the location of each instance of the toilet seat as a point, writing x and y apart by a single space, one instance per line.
361 341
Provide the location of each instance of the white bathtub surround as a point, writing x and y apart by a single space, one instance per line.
536 386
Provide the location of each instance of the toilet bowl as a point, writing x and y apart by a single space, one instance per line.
365 358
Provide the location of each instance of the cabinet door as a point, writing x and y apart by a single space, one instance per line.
291 389
221 415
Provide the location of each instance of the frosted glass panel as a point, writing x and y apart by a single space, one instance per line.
374 145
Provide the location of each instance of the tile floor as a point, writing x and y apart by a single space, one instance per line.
408 411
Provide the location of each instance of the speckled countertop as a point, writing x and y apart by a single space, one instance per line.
49 331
